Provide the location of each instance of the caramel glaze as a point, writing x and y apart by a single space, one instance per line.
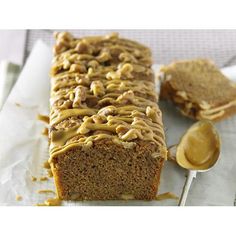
102 88
43 118
207 112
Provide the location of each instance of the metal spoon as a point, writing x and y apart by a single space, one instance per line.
198 151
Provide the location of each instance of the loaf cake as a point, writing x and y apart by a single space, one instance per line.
106 133
199 89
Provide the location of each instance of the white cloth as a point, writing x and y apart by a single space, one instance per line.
8 76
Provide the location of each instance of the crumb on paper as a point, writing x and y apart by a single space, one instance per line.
43 118
166 196
46 165
17 104
50 174
33 178
40 204
53 202
45 131
50 202
18 198
44 178
41 191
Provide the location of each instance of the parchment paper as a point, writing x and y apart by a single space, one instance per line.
23 149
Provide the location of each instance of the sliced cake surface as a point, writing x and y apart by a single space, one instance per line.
106 133
199 89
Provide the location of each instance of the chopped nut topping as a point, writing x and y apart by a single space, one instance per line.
90 72
103 57
78 68
72 58
66 65
109 110
188 105
126 97
65 104
182 94
83 128
131 135
80 96
127 57
137 114
178 99
99 119
63 35
113 35
112 75
204 105
137 121
125 70
82 80
168 77
137 53
106 101
72 96
121 130
84 57
152 113
94 64
63 42
82 48
97 88
156 154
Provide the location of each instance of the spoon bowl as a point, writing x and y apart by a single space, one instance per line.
197 151
199 148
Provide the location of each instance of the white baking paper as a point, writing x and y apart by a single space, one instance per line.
23 149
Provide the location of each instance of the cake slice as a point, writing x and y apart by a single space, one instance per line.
106 133
198 89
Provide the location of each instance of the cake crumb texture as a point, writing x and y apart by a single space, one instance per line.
199 89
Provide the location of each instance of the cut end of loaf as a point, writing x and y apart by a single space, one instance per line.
107 171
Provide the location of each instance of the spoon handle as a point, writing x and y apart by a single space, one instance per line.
191 174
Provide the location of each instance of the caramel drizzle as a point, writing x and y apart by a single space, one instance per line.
62 138
216 112
166 196
64 114
210 113
129 115
43 118
144 87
